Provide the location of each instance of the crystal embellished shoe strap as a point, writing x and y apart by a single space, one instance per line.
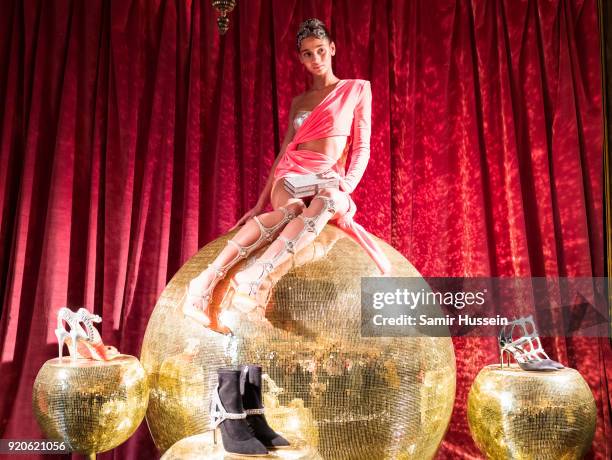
255 411
265 234
218 413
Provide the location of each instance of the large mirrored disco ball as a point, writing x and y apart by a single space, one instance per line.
330 391
520 414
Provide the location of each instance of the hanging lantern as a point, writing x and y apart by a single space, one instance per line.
224 7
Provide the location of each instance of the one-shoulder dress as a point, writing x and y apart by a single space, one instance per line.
345 111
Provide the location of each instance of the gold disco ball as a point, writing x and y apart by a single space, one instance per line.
92 406
331 392
531 415
201 446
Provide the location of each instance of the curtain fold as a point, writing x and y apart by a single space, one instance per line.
131 134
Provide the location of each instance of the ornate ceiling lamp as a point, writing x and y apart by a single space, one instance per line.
224 7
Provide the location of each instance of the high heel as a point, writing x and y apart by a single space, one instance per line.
92 344
239 306
248 292
266 234
227 414
527 349
82 342
61 337
246 295
191 299
250 387
71 337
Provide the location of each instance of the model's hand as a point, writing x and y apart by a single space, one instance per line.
343 185
329 174
256 210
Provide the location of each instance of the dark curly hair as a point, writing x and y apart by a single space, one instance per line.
312 27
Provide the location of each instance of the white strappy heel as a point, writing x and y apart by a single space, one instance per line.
250 289
266 234
247 301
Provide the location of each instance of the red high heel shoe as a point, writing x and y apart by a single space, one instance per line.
94 345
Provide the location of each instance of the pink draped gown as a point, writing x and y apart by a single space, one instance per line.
345 111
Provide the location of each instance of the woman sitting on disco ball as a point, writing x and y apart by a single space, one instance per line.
325 123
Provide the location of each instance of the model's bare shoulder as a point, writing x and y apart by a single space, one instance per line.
292 108
292 112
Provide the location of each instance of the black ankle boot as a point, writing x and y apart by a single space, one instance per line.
228 414
253 406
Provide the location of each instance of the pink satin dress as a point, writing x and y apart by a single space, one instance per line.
345 111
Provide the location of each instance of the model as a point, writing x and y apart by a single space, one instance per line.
325 123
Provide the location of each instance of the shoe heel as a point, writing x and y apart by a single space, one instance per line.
61 338
73 343
214 413
508 355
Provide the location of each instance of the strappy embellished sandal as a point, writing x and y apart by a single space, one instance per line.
247 296
195 305
83 341
526 348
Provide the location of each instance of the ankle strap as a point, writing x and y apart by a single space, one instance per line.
254 411
244 375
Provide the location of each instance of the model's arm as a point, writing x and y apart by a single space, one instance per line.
265 194
360 153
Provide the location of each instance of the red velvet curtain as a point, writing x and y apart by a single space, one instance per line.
131 135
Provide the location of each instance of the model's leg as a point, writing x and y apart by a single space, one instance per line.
326 205
255 233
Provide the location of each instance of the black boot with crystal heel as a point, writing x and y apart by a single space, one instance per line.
526 348
250 386
227 413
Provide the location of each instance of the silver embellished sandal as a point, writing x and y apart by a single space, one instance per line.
191 307
248 292
527 348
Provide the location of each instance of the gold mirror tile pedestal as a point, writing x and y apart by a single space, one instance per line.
343 396
516 414
92 406
200 447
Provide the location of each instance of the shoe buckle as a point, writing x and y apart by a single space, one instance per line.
267 266
331 206
310 225
290 245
